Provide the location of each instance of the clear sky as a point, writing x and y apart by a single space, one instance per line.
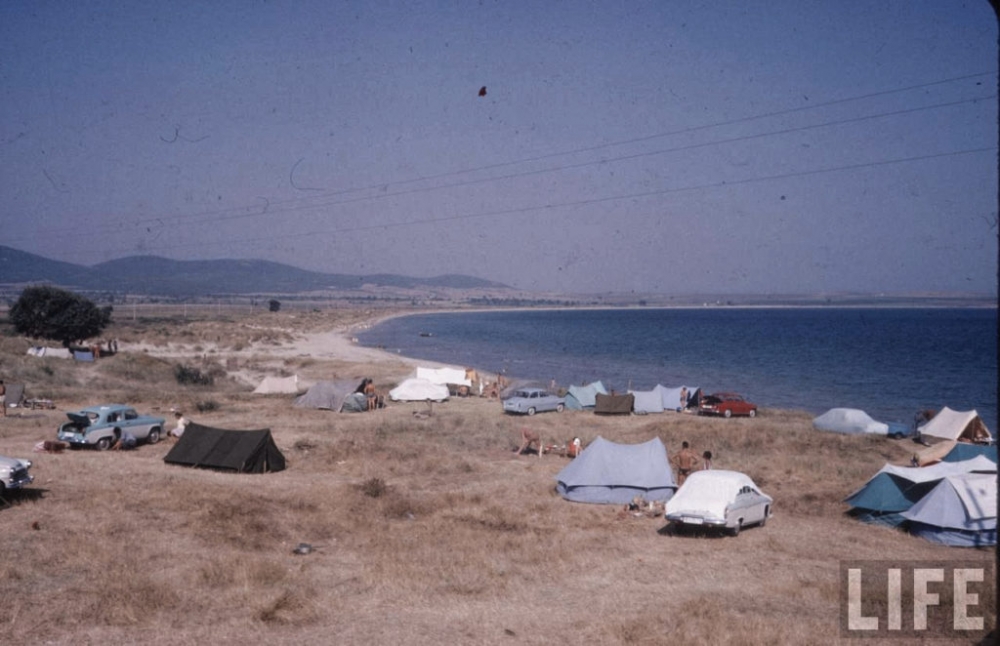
677 147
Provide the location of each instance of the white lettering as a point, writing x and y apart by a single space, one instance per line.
963 599
922 597
854 619
895 599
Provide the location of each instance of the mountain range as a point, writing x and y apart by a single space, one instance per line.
153 275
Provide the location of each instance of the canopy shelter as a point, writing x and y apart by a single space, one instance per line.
611 473
228 450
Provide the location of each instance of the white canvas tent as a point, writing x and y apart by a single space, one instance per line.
850 421
951 424
278 386
444 376
671 397
647 401
418 390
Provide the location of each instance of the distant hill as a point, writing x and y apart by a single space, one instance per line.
153 275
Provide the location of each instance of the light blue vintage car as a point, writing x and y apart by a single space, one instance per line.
100 426
528 401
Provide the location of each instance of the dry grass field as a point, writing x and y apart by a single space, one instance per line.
425 530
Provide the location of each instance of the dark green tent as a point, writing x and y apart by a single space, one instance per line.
217 448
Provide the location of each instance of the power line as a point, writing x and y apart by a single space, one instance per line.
268 210
600 200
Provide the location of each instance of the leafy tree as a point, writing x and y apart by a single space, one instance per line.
45 312
274 305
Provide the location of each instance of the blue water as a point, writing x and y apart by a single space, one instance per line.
888 362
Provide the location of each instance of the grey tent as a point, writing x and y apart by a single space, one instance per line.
217 448
895 489
14 395
960 511
580 397
337 396
607 472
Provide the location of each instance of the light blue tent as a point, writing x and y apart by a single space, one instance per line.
580 397
960 511
966 451
895 489
610 473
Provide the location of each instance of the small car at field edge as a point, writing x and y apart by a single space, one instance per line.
716 498
99 426
14 473
726 405
528 401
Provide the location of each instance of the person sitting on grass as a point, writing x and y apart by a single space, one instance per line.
529 437
124 442
182 423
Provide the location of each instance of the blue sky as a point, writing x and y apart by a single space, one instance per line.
681 147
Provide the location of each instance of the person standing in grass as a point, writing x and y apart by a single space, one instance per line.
706 460
3 398
686 462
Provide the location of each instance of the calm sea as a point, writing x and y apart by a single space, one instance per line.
888 362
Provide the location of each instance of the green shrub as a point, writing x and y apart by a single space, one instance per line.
187 375
206 406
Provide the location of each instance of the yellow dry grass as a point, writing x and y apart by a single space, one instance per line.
425 531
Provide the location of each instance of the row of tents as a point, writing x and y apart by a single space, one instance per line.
951 500
946 424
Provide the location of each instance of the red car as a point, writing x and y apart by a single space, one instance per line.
727 405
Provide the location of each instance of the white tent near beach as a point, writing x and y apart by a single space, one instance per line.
278 386
444 375
950 424
418 390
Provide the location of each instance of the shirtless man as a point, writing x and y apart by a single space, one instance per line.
3 398
686 462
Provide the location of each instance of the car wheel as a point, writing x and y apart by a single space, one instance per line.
560 408
531 411
103 444
735 531
763 521
727 413
154 436
753 412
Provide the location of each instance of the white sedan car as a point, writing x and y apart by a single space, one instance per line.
726 500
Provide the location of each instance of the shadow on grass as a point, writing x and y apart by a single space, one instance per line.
18 497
